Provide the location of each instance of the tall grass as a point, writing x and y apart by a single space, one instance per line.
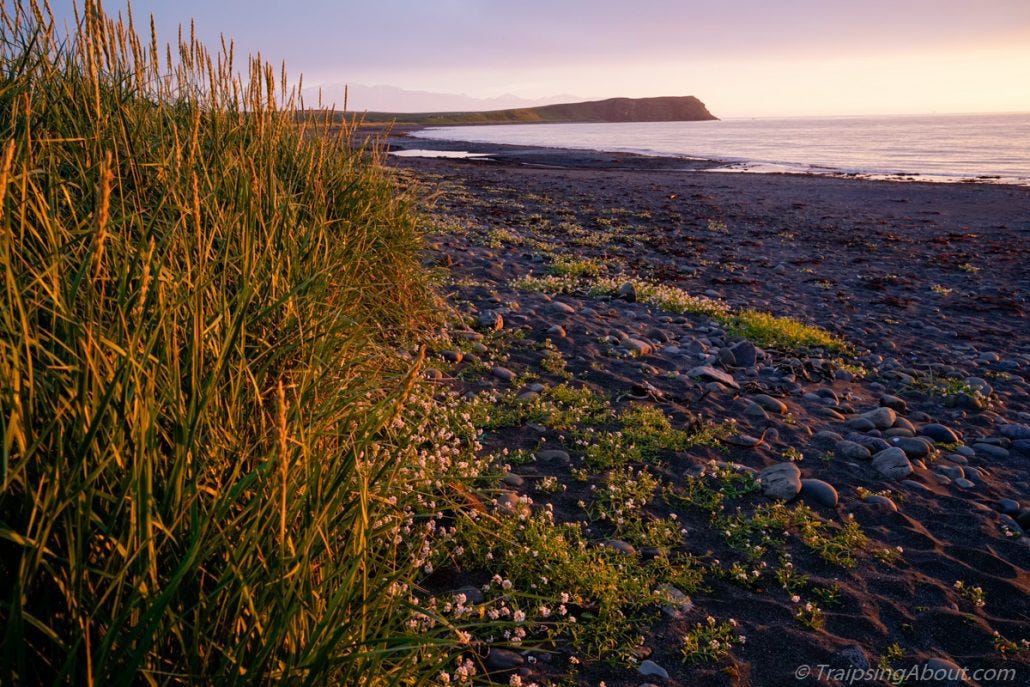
200 308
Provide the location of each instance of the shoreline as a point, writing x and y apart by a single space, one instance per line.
400 138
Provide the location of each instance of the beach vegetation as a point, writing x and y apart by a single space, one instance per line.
710 641
772 331
763 329
215 463
565 266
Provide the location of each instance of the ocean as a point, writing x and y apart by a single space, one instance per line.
984 147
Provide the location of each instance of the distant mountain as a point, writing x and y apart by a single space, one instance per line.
361 98
663 109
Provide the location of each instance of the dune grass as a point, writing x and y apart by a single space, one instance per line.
207 433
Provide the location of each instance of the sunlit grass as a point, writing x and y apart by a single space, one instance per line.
762 328
209 449
780 332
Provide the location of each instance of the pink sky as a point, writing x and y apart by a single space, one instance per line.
742 57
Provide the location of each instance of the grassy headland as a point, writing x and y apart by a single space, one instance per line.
662 109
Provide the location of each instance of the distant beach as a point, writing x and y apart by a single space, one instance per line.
947 148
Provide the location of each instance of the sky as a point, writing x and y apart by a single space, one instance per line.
742 58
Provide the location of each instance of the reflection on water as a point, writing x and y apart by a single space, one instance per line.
988 148
422 152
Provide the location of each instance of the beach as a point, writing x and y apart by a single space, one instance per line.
631 276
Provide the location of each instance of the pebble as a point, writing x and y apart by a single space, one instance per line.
898 432
453 356
562 308
781 481
826 439
950 672
432 373
991 451
636 346
513 480
882 418
623 547
503 373
676 602
902 423
939 433
966 402
1015 432
554 456
980 385
745 354
882 501
726 357
918 486
913 447
753 410
491 320
892 463
1008 506
773 405
855 656
849 450
1021 446
649 667
963 483
499 660
710 373
556 330
828 413
861 424
819 492
894 403
872 443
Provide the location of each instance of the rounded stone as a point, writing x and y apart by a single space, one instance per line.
882 418
892 463
881 501
648 668
781 481
1008 506
874 444
503 374
773 405
940 433
819 492
556 456
849 450
491 320
991 451
622 547
628 292
894 403
745 354
500 660
913 447
861 424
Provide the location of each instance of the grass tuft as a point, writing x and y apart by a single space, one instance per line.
205 422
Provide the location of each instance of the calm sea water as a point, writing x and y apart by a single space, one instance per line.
934 147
